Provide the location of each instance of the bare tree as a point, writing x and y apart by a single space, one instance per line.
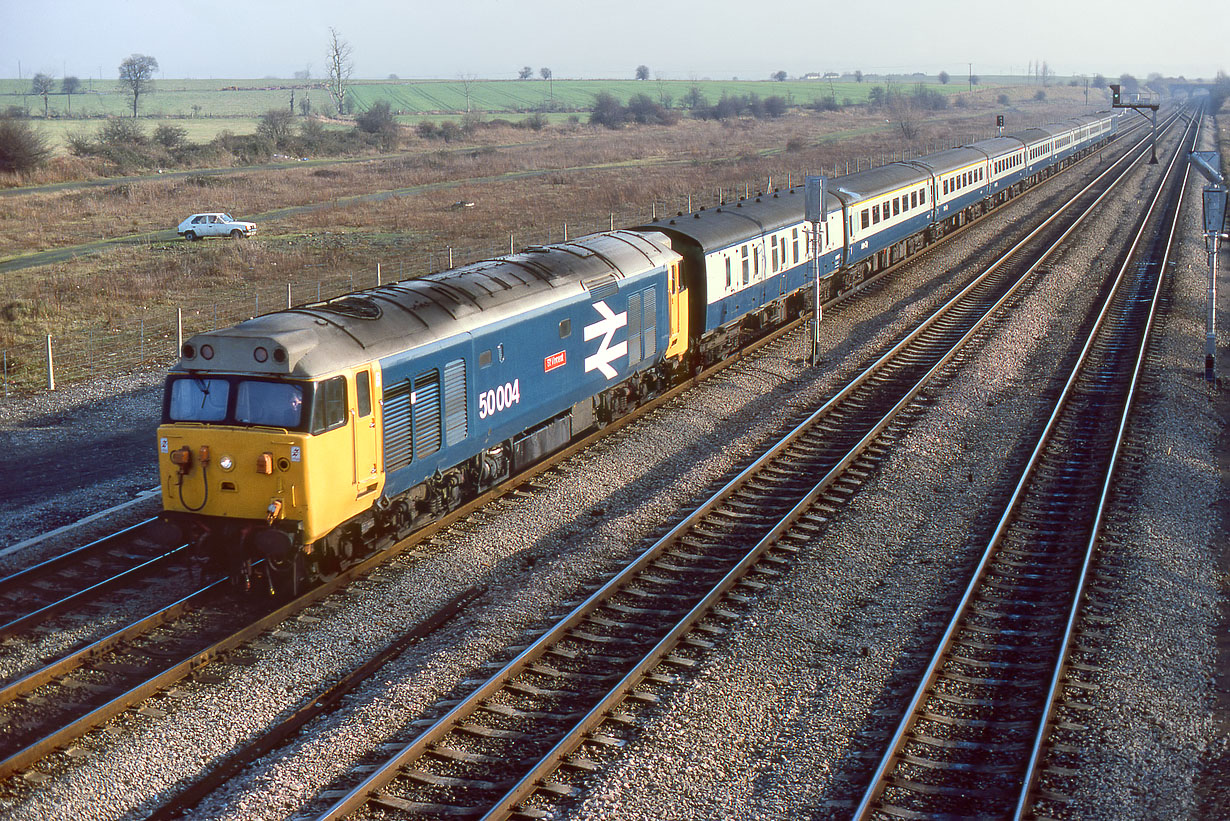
944 78
545 72
525 73
780 76
340 69
42 85
907 115
70 85
467 80
1046 73
137 77
304 74
642 72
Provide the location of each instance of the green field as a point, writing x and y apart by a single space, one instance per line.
207 107
199 99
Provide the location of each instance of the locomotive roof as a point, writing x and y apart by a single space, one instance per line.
323 337
735 222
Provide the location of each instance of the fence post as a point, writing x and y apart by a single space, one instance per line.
511 247
51 370
450 257
6 374
141 346
612 220
179 330
378 282
565 232
258 304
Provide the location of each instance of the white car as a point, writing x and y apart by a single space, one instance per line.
214 225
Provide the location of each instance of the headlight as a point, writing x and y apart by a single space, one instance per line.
226 463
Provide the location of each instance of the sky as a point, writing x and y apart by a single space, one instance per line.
677 39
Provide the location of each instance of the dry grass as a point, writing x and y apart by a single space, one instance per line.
579 177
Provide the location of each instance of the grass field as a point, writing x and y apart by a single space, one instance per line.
205 108
251 98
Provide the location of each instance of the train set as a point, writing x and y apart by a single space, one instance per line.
293 442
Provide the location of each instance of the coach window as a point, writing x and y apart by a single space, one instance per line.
329 405
795 240
363 389
774 268
913 199
565 326
945 186
896 206
747 267
922 197
728 272
875 213
866 218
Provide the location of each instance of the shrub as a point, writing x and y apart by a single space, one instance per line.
607 111
1002 99
171 137
21 147
122 131
275 125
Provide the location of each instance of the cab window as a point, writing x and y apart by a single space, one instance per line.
276 404
198 400
329 405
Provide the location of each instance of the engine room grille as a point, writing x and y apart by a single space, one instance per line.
455 418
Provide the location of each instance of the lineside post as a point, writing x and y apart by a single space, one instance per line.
1208 163
814 191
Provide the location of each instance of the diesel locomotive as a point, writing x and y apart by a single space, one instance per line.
294 442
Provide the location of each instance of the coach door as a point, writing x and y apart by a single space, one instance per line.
366 432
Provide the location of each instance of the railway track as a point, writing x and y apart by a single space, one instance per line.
114 695
972 739
47 589
523 734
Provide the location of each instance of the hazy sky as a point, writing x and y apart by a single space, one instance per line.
678 39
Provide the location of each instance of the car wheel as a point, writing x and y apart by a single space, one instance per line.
189 235
236 234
